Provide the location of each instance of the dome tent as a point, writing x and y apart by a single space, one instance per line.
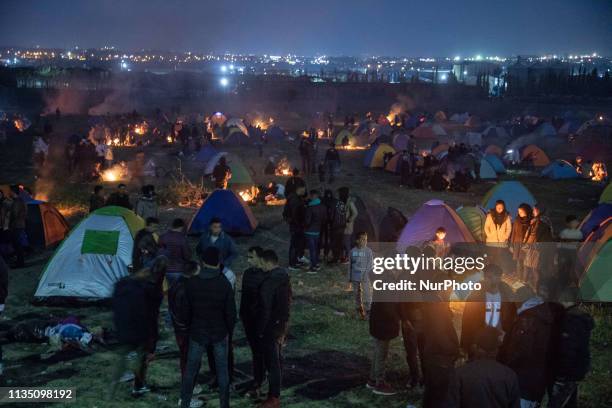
595 217
226 205
394 164
495 132
235 135
240 173
546 129
401 141
343 135
486 171
427 219
45 226
374 157
606 196
595 255
513 193
275 134
535 155
560 169
494 150
496 163
474 218
93 257
205 154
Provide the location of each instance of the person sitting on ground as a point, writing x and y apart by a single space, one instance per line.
483 382
97 200
120 197
439 244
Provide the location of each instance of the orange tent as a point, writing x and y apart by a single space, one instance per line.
45 225
535 155
494 149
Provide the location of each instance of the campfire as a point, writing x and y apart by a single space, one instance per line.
20 125
272 200
249 195
141 128
115 173
598 172
283 168
351 147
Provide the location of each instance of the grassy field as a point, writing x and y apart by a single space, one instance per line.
328 350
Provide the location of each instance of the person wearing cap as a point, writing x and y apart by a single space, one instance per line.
490 307
484 382
213 316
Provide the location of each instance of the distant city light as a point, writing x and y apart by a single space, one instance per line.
444 77
478 57
231 66
223 68
224 81
457 58
123 65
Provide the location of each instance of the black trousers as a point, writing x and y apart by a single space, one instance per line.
258 363
272 353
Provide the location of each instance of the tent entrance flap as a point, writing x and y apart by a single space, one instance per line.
100 242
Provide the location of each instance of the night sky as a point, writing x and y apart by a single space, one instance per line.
308 27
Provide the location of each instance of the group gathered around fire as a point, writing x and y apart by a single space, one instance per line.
512 351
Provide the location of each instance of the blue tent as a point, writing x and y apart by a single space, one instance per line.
226 205
560 169
513 193
205 154
487 172
598 215
496 163
275 134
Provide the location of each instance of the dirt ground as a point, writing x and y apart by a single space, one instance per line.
328 349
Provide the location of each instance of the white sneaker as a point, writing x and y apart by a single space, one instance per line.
195 403
197 390
304 260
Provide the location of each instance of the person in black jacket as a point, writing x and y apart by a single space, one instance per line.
252 279
384 327
293 213
294 182
120 197
332 162
212 316
314 218
178 307
571 356
130 314
483 382
272 322
526 347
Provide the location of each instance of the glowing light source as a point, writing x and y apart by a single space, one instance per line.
224 81
223 68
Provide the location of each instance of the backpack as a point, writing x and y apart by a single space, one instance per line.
339 215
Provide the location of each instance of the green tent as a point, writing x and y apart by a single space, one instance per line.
596 283
241 175
342 135
606 196
474 219
93 257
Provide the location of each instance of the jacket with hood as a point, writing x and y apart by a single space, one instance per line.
526 348
224 243
497 234
572 358
274 304
252 279
146 207
212 308
131 311
315 217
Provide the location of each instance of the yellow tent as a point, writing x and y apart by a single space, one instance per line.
606 196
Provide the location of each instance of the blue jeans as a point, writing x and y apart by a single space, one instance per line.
194 359
172 277
313 249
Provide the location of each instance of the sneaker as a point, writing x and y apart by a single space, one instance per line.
294 268
271 402
312 271
303 260
383 389
370 384
195 403
137 392
127 376
197 390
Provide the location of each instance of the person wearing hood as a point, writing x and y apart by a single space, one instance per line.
571 355
146 205
216 237
497 229
483 382
517 237
314 219
212 312
491 307
332 162
272 322
526 348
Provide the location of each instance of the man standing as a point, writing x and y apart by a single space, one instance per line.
213 315
332 162
175 246
492 308
483 382
272 322
216 237
249 310
17 223
294 182
314 219
294 213
120 197
221 174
